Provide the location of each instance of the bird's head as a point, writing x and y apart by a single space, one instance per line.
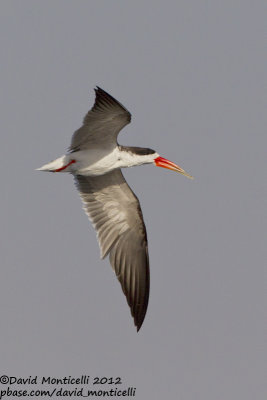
131 156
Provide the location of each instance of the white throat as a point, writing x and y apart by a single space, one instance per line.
128 159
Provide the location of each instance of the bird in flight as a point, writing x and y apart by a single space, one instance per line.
95 160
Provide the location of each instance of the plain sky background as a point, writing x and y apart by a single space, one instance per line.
192 75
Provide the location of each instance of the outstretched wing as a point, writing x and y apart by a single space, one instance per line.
101 124
115 213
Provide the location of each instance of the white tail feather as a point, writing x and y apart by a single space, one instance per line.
56 164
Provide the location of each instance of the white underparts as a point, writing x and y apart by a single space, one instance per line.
97 161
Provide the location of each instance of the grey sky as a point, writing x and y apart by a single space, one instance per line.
192 75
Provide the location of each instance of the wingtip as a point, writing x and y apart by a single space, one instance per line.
97 88
103 96
101 92
139 323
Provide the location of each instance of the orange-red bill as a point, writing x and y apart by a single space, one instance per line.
164 163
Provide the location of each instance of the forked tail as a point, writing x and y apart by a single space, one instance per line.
58 165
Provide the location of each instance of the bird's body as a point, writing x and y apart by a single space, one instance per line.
99 161
95 159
